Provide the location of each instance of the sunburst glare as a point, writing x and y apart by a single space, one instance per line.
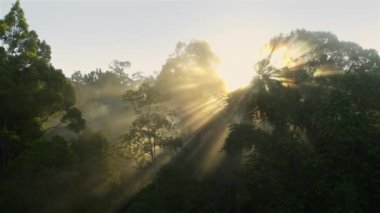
200 112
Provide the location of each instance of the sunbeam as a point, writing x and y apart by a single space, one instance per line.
198 114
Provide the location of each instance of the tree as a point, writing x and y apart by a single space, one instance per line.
71 120
190 73
17 40
151 130
115 75
118 67
317 95
31 89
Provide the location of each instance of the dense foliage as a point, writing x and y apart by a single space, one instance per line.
306 131
302 137
38 167
321 151
32 90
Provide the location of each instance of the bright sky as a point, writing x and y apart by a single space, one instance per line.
87 34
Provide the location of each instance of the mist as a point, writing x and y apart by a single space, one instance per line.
299 132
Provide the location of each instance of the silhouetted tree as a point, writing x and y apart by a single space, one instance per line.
322 147
190 73
151 130
31 89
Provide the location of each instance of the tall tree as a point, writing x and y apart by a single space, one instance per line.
152 129
31 89
313 125
190 72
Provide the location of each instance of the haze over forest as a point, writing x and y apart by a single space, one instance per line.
171 106
145 32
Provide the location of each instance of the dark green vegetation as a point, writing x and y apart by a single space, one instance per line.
307 136
303 137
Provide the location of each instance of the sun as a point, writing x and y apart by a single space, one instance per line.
290 55
280 57
233 84
236 75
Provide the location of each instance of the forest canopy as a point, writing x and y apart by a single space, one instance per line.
301 137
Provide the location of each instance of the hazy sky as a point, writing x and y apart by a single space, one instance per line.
88 34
